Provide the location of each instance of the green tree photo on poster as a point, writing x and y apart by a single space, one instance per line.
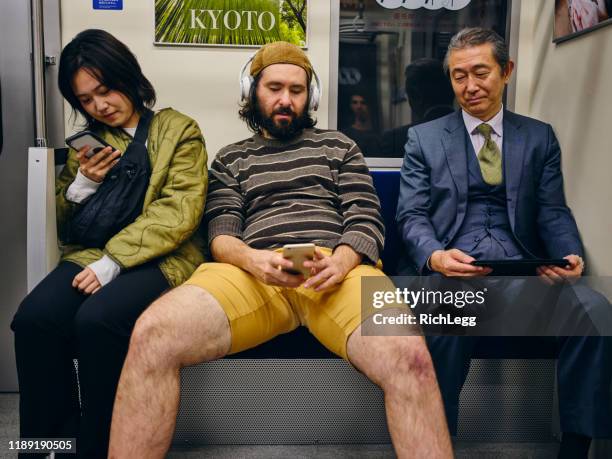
293 21
230 22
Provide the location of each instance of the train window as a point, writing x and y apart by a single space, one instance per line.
390 64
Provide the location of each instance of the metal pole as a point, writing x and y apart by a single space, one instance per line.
38 64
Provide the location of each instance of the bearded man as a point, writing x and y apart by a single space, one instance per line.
288 183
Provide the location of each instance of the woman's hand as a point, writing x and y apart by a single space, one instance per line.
86 282
97 166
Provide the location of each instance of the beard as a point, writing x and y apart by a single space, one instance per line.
284 129
362 117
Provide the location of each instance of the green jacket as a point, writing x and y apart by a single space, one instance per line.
173 205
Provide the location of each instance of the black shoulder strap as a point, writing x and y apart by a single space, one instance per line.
142 131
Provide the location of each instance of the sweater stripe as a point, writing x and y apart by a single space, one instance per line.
313 188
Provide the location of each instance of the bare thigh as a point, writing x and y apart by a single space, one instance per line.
187 325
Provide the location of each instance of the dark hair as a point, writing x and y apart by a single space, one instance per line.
109 61
361 94
427 83
251 114
476 36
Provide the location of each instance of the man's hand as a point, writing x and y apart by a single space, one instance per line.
267 267
328 271
555 274
86 282
96 167
455 263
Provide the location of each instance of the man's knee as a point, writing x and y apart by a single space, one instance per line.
590 313
151 339
596 304
409 357
397 360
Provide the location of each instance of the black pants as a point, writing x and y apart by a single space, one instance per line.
54 324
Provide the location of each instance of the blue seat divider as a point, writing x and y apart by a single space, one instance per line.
387 184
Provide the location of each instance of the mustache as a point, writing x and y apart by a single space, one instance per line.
284 111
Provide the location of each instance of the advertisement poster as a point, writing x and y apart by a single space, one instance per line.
577 17
230 23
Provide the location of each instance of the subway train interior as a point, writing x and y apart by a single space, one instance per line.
387 82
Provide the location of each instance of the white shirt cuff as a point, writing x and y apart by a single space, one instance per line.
81 188
105 269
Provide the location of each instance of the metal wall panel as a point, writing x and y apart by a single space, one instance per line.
18 135
18 130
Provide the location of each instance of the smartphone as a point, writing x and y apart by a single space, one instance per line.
298 254
80 139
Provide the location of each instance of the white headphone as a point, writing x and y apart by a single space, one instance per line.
246 81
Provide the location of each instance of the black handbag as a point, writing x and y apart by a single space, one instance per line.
120 197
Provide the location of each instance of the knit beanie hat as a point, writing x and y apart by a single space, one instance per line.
280 52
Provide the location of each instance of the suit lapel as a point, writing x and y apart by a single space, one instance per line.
453 142
514 154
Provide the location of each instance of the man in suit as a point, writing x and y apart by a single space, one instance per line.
485 183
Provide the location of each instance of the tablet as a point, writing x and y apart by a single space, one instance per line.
525 267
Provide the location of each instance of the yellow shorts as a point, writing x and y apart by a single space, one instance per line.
258 312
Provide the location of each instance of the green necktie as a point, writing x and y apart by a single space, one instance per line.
489 157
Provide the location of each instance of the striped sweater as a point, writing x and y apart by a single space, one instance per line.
313 188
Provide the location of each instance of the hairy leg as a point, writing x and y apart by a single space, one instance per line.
184 327
402 367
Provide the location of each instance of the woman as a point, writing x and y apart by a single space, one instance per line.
86 307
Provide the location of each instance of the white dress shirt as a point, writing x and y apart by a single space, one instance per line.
478 140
